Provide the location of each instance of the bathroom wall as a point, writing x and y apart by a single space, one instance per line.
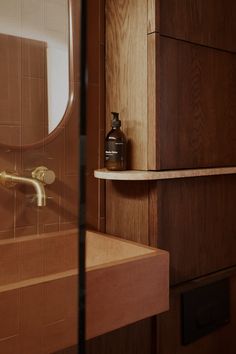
19 215
23 70
44 20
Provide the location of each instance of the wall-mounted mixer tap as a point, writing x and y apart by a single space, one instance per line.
40 177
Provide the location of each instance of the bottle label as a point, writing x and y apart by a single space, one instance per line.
115 151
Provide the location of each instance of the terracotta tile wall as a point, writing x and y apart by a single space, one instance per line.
19 215
37 320
23 73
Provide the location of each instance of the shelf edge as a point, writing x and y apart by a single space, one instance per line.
138 175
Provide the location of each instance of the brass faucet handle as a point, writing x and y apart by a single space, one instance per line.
44 175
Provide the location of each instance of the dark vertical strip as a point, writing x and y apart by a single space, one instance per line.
82 179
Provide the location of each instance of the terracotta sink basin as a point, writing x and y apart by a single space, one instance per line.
126 282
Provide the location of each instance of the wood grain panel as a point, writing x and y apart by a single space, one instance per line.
96 114
127 210
207 22
196 224
220 341
197 106
126 73
71 350
153 16
153 103
127 216
133 339
153 217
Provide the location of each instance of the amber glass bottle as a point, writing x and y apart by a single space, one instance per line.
115 146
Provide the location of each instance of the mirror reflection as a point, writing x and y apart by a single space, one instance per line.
34 69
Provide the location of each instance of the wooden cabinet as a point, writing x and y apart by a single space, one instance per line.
126 74
173 85
220 341
196 223
171 73
197 106
206 22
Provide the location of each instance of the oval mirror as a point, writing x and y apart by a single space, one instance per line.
35 38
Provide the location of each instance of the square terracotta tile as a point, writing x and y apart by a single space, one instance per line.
68 226
7 234
7 208
7 159
31 259
9 263
69 201
55 154
26 211
26 230
61 299
10 345
53 337
31 319
47 228
31 342
10 73
33 58
71 251
55 301
62 334
9 311
49 215
10 135
31 133
54 255
34 110
59 253
72 296
31 308
32 158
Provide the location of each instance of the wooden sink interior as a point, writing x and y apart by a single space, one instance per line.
102 249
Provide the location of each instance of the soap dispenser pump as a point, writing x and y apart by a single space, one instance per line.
115 146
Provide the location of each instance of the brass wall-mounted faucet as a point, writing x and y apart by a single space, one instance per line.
40 177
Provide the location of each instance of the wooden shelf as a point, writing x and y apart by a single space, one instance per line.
134 175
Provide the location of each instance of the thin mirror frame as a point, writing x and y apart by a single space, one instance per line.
71 95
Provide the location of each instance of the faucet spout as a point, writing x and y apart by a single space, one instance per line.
9 180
